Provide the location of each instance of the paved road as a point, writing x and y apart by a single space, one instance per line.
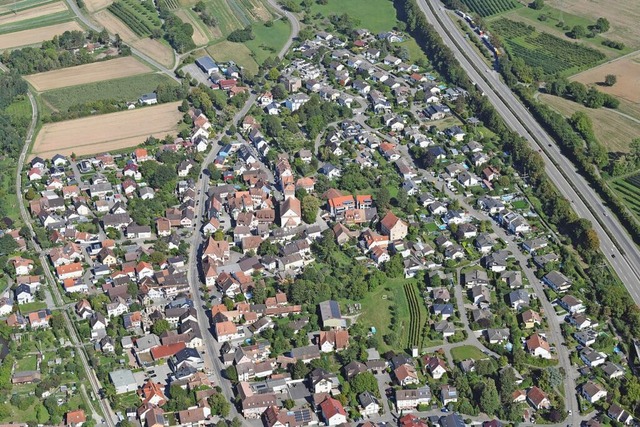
212 348
295 27
585 201
86 21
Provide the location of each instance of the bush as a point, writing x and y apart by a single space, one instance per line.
239 36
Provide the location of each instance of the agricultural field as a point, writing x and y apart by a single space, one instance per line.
377 16
12 6
269 40
87 73
541 49
108 132
95 5
159 51
36 35
612 129
34 12
119 90
237 52
627 71
417 315
622 14
141 17
629 191
490 7
201 34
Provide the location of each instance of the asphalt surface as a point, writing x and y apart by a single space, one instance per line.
615 243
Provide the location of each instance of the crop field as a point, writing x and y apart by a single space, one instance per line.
107 132
141 17
622 14
200 34
377 16
541 49
238 52
34 12
42 21
119 90
269 40
627 71
490 7
155 49
11 6
36 35
417 315
95 5
88 73
612 129
629 190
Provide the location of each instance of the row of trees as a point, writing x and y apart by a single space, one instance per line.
588 96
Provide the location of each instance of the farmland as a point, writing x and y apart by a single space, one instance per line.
613 130
377 16
119 90
107 132
629 190
417 315
36 35
34 12
11 6
541 49
141 17
201 34
269 40
88 73
95 5
490 7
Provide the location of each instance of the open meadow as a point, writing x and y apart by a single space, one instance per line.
613 130
107 132
377 16
36 35
126 89
238 52
88 73
155 49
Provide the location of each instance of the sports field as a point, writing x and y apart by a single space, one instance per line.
36 35
107 132
127 89
88 73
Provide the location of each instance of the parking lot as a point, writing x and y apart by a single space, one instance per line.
196 73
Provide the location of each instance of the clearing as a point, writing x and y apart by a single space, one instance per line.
34 12
108 132
626 69
88 73
465 352
613 130
156 50
36 35
119 90
200 37
237 52
375 15
622 14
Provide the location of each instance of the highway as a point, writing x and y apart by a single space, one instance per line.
212 350
615 243
77 343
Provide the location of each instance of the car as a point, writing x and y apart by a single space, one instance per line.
444 410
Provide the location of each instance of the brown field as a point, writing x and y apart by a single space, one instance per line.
626 69
199 36
158 51
37 35
107 132
88 73
260 11
34 12
622 14
93 5
613 130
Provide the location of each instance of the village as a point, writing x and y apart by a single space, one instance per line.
220 277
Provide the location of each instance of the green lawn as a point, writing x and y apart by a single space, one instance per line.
237 52
467 352
520 204
28 363
32 306
415 51
269 40
42 21
374 15
124 89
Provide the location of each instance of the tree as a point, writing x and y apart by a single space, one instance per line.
602 25
7 245
219 405
309 208
610 80
488 401
577 32
160 326
537 4
289 403
395 266
364 381
299 370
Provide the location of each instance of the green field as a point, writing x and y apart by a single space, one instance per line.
417 315
32 306
42 21
141 17
235 14
374 15
629 190
465 352
125 89
237 52
490 7
9 6
540 49
27 363
269 40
